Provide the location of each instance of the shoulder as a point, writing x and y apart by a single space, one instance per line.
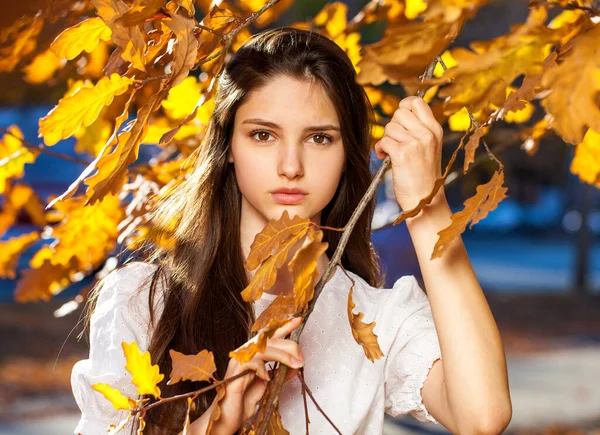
125 291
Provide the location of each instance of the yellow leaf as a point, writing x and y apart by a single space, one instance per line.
112 168
182 98
144 375
85 36
333 17
477 207
198 368
11 250
71 236
270 14
586 163
42 68
414 8
96 60
363 332
82 108
114 396
184 57
91 139
13 156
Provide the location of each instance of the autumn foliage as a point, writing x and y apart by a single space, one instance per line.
159 61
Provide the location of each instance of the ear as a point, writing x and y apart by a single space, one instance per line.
229 156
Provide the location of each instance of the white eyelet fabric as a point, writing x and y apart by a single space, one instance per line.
353 391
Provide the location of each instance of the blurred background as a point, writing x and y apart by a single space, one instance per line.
537 257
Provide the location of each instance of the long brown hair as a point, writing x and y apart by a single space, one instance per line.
205 272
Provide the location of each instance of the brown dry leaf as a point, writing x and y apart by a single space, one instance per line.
304 268
216 414
11 250
140 12
199 367
273 235
266 275
363 332
186 422
477 207
184 57
258 343
575 108
473 144
282 308
586 163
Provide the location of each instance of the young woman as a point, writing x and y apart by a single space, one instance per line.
291 131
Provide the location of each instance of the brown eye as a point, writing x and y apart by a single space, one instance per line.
321 139
263 135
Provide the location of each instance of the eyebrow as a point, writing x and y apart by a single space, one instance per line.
273 125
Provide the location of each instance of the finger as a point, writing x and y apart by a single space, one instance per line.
413 125
288 345
253 395
258 366
284 330
274 354
423 111
389 146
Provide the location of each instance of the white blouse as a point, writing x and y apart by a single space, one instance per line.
353 391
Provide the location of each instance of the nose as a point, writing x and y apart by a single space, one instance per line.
290 162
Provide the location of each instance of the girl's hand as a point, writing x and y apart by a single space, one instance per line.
413 140
243 394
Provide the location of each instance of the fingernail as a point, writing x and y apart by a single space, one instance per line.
297 362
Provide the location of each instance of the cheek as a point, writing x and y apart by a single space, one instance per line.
250 172
328 171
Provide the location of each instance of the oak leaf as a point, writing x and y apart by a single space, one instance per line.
11 250
363 332
144 375
586 163
13 156
477 207
199 367
84 36
216 413
114 396
82 108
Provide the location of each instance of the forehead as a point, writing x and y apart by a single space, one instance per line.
285 98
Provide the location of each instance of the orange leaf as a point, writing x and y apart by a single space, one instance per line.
586 163
144 375
282 308
304 268
273 235
199 367
11 250
184 57
258 343
363 332
216 414
44 282
477 207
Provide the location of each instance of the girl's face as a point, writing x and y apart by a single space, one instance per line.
286 135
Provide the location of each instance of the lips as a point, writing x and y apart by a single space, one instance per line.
289 196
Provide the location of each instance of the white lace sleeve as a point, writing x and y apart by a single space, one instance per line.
413 351
115 319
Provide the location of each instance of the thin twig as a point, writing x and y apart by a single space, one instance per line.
43 150
144 409
305 387
306 419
